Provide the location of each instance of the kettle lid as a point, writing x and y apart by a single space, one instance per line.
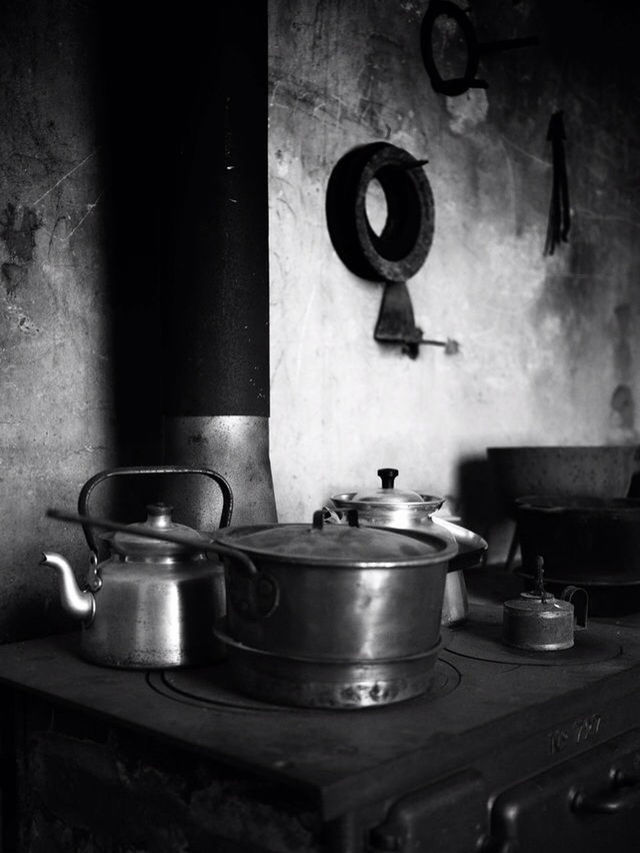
158 518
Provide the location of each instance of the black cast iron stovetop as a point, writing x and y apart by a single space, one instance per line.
486 703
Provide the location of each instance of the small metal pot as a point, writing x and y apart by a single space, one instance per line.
333 615
408 510
537 621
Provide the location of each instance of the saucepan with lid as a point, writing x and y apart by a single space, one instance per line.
387 506
341 616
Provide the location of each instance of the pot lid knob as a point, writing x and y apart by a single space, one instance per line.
388 476
159 515
158 518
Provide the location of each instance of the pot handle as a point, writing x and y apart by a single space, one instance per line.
331 515
89 486
579 597
472 548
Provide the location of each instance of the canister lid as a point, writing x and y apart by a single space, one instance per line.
339 544
530 602
158 518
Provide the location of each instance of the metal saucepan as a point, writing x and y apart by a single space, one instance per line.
387 506
342 617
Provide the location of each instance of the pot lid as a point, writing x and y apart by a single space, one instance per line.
158 518
338 544
389 497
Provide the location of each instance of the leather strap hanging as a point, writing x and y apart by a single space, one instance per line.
559 212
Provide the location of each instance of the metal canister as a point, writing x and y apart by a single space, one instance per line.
538 621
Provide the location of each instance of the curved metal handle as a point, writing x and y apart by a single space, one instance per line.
472 548
623 797
579 597
89 486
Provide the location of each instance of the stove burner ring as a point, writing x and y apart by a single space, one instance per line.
483 641
212 688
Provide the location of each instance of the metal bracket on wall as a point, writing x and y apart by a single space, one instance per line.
403 244
396 323
460 85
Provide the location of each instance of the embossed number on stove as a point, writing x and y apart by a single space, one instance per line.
580 731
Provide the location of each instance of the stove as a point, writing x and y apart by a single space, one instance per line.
506 751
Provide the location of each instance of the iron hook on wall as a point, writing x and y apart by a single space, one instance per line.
460 85
401 248
559 209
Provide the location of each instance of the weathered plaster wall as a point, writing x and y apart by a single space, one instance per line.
548 348
55 401
91 118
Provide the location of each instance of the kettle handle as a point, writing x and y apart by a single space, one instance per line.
89 486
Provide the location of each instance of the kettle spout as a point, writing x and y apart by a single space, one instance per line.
77 603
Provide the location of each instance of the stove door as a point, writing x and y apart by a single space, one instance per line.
590 803
447 817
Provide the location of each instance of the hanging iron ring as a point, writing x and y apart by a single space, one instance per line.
401 248
460 85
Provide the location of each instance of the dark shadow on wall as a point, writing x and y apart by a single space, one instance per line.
180 94
480 504
482 509
140 101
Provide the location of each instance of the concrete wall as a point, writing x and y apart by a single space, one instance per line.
85 210
548 347
55 394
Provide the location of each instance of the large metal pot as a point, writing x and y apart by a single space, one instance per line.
584 471
387 506
332 615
